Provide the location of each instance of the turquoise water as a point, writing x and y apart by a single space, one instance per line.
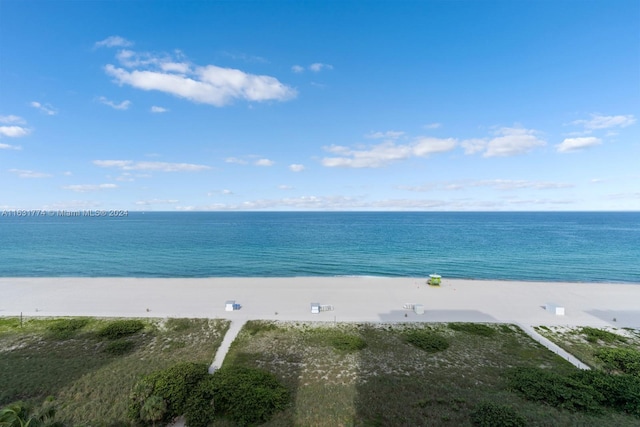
567 246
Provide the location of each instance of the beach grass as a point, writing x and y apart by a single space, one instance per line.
89 373
392 382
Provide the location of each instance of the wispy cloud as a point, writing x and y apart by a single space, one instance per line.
9 147
387 152
113 41
128 165
124 105
87 188
598 121
23 173
432 125
156 109
44 108
11 119
207 84
577 144
390 134
296 168
235 160
157 202
264 162
316 67
507 142
497 184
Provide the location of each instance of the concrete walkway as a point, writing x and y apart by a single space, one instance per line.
229 337
529 330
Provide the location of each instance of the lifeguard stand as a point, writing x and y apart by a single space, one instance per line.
434 280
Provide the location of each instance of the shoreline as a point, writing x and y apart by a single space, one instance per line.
354 298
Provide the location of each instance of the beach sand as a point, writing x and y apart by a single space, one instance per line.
355 299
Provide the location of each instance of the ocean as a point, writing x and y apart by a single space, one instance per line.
530 246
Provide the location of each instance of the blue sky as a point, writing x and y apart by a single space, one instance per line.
332 105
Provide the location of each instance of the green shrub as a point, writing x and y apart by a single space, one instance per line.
594 334
426 340
626 360
66 328
120 328
540 385
473 329
247 395
173 385
347 343
489 414
619 392
254 327
119 347
200 407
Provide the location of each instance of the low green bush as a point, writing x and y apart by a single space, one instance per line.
594 334
426 340
626 360
179 325
473 329
119 347
248 396
489 414
540 385
200 407
619 392
120 328
66 328
347 343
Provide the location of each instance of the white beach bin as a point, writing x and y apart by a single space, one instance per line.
315 308
555 309
229 305
418 309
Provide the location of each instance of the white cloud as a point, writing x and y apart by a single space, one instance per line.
318 66
386 152
22 173
124 105
9 147
156 202
599 121
391 134
156 109
11 119
577 144
297 69
150 166
13 131
85 188
508 142
474 145
113 41
285 187
227 192
296 168
208 84
264 162
45 108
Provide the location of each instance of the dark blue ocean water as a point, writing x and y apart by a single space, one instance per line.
559 246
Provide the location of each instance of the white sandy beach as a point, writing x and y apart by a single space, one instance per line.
369 299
